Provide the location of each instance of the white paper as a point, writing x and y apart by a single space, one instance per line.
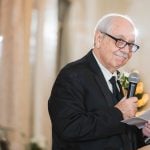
138 121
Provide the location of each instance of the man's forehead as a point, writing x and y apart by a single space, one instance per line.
122 28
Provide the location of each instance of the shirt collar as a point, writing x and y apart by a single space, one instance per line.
107 74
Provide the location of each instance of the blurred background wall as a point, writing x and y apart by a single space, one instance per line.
37 38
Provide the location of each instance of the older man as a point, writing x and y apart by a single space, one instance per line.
87 105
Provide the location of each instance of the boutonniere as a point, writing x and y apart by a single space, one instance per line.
139 93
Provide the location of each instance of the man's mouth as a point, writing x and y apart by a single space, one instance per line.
121 54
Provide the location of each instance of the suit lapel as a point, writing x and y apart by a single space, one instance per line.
100 79
103 86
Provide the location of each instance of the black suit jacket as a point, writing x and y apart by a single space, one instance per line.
82 113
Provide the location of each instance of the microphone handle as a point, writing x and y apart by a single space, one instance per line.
131 89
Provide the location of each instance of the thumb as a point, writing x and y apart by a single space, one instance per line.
123 98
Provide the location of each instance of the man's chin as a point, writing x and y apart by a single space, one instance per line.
120 64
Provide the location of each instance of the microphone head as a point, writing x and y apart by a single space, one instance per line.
134 77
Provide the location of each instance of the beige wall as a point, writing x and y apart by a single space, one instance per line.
27 69
15 70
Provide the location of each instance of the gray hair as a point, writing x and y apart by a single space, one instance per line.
105 23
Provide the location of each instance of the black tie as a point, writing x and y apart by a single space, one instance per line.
116 92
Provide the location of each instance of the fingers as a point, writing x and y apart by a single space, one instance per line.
134 99
147 125
146 129
128 107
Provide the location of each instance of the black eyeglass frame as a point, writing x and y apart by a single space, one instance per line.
133 46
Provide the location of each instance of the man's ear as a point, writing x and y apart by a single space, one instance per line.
98 39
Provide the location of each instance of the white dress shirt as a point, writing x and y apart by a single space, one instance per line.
107 74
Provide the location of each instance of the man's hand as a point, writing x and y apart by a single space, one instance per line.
128 107
146 129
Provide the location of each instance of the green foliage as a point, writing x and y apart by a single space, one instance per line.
124 81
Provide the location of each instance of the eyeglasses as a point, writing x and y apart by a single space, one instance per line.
121 43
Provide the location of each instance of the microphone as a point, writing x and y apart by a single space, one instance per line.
133 80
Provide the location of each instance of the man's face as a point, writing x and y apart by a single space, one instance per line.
109 54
